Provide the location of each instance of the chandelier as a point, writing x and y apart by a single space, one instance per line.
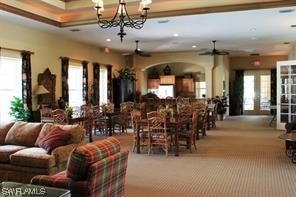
121 17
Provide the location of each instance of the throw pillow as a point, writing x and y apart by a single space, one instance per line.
55 138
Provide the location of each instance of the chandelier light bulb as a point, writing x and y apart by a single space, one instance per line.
121 18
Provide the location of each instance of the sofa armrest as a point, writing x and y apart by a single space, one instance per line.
62 153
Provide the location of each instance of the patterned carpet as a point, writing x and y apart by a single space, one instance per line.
243 156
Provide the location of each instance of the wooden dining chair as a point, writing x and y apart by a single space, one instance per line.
157 132
59 116
137 127
189 136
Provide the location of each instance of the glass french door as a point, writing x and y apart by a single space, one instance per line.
286 93
256 92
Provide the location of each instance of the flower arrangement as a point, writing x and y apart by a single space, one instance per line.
168 110
69 110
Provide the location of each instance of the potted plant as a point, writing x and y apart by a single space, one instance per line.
17 110
127 73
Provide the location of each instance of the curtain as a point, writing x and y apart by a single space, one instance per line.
109 83
65 86
273 87
237 94
85 82
27 81
96 84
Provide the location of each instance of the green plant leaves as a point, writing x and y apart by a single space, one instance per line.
17 110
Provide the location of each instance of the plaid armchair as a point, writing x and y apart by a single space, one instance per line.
94 169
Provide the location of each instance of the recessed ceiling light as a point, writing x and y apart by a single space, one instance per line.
293 26
176 35
108 40
163 21
286 11
194 46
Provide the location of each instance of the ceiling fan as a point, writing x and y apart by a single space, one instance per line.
139 52
215 51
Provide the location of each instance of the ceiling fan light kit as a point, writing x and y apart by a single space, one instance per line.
121 17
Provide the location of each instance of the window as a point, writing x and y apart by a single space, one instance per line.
265 92
249 92
75 85
200 89
103 85
10 82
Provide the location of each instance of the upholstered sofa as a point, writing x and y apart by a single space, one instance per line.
94 169
21 158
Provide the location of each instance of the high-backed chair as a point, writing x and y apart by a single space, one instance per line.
59 116
189 136
157 132
94 169
143 132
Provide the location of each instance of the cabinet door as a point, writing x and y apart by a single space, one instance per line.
153 83
286 94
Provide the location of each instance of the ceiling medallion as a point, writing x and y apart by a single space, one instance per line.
121 17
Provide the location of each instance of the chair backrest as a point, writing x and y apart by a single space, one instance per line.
59 116
127 106
135 116
157 124
185 111
152 114
46 115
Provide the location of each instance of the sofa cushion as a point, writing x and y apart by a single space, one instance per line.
33 157
76 131
83 156
23 133
47 127
7 150
56 137
4 128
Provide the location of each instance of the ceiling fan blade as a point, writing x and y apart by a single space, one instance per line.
207 53
144 54
222 53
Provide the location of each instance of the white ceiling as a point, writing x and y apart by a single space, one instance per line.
261 31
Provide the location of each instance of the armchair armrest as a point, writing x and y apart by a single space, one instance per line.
62 153
60 180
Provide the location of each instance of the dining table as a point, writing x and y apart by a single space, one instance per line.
174 122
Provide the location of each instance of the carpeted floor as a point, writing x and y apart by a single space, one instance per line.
243 156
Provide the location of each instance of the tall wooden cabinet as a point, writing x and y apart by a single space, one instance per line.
123 90
184 86
286 93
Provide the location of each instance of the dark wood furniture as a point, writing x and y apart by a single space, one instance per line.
123 90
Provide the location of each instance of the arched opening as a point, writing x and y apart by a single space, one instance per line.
189 78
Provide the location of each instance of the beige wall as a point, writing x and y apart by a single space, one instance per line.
221 75
49 47
142 63
245 63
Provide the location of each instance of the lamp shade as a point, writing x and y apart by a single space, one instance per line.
41 90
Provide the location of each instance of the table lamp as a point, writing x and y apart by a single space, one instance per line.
39 91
